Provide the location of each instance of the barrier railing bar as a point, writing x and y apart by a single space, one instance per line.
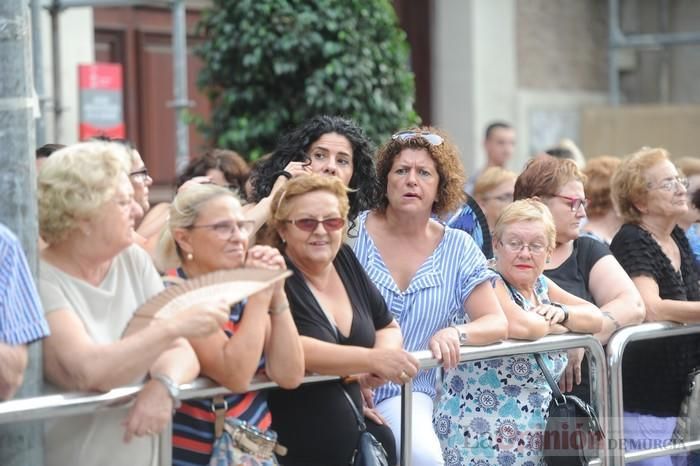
616 347
594 350
406 427
75 403
165 446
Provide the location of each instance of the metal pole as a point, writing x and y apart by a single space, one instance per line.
38 72
613 33
56 70
406 424
165 446
19 445
615 351
180 102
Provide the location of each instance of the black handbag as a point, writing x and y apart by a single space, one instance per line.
369 452
573 433
688 423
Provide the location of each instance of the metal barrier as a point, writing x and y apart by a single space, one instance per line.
76 403
594 351
71 404
615 351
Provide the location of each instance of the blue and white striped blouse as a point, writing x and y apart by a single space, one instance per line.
434 298
21 317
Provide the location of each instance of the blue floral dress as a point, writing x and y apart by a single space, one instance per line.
494 411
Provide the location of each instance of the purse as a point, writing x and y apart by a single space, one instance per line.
239 443
688 423
369 452
573 433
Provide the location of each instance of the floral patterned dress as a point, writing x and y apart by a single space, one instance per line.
494 411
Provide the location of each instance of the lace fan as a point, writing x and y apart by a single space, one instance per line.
230 285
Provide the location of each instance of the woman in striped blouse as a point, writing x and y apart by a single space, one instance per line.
434 278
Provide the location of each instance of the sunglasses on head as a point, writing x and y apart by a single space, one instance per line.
310 224
431 138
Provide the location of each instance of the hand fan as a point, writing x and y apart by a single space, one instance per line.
231 286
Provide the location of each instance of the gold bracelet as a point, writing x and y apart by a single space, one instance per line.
279 309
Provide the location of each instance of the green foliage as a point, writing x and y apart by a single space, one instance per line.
271 64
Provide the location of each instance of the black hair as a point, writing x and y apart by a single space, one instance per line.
293 147
47 149
560 153
695 199
494 126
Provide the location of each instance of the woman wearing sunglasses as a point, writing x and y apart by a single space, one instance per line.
344 324
580 265
651 197
433 278
207 232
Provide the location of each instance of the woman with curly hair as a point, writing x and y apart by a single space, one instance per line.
433 278
329 145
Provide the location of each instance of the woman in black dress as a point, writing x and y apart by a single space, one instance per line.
344 324
651 197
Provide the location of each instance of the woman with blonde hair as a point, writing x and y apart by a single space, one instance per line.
345 326
602 222
494 191
207 232
506 420
92 280
651 196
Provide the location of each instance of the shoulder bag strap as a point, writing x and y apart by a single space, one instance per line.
219 406
360 420
556 393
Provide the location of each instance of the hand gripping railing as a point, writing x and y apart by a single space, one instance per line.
616 348
594 351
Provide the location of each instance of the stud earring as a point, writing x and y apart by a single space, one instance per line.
189 256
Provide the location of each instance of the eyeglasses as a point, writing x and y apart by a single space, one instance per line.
139 175
431 138
310 224
505 197
574 202
225 230
516 246
671 184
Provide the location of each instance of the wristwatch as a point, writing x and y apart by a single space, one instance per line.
462 335
563 308
170 385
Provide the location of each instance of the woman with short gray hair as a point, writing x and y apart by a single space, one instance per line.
92 280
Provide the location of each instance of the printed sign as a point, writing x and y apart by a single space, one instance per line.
101 112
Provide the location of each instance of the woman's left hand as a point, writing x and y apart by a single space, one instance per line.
265 257
373 414
151 413
572 373
553 314
445 346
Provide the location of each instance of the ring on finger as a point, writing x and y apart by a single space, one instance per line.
404 376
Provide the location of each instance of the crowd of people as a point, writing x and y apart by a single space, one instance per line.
390 251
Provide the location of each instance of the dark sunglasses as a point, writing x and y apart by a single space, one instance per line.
431 138
310 224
